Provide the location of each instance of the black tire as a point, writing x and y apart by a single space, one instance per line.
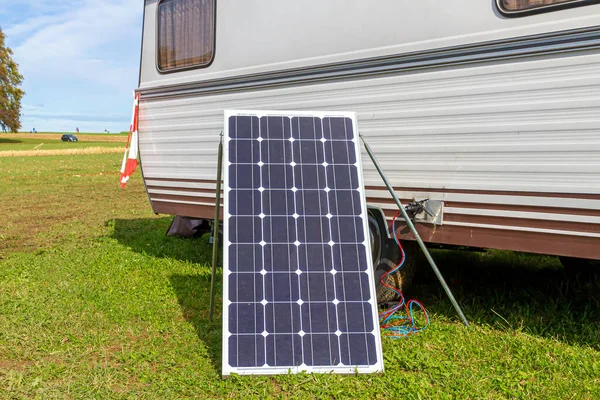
400 279
376 236
386 255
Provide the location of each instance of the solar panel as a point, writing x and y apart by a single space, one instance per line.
298 291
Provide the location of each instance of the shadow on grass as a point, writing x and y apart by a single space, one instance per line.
148 236
9 141
505 290
515 292
193 294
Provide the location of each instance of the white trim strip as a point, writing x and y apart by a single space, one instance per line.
525 229
197 203
515 200
181 193
586 219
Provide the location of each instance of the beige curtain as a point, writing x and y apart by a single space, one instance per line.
185 33
520 5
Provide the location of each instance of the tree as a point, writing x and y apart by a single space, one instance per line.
10 93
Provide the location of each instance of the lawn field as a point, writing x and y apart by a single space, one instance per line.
96 302
17 142
26 145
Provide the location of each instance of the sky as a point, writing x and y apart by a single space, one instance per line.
80 60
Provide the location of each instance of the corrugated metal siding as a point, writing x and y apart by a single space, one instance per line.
529 126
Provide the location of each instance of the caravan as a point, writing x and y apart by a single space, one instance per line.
490 109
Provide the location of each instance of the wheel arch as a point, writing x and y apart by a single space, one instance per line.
377 213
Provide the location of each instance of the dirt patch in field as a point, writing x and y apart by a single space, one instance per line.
63 199
61 152
56 136
15 365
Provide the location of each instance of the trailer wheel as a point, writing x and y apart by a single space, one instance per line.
376 237
386 255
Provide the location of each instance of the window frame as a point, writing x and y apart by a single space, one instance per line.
189 67
543 9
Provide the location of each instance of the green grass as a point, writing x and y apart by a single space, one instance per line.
96 302
44 144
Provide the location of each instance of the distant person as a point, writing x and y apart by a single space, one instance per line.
34 131
77 130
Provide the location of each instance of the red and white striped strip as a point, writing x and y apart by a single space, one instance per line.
130 161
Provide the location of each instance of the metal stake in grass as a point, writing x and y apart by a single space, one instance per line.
417 236
215 253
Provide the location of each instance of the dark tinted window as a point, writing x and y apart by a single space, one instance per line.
517 7
186 33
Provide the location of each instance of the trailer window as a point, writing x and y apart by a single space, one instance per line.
525 7
186 34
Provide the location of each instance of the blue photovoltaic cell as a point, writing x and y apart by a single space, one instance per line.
298 290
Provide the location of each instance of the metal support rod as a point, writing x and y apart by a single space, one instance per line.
417 236
215 252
